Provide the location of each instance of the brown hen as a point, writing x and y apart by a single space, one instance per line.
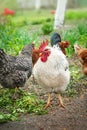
82 55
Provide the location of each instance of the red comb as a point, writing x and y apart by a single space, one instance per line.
43 45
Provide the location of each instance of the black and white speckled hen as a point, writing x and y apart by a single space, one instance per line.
15 70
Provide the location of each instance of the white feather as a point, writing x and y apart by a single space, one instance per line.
54 73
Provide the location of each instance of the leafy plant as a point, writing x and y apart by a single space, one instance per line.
82 28
47 28
36 22
76 14
78 35
13 39
11 109
72 36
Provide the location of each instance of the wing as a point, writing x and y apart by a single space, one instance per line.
23 63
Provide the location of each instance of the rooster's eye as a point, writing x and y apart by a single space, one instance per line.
46 50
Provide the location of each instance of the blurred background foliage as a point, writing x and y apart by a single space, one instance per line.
28 24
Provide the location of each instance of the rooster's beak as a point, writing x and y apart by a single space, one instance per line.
40 54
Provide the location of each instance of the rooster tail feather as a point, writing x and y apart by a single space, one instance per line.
55 39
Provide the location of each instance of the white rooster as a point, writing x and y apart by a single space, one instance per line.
52 70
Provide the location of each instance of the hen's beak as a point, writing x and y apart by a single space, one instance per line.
76 48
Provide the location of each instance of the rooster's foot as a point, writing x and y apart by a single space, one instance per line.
61 101
48 101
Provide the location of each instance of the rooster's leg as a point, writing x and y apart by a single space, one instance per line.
60 101
48 101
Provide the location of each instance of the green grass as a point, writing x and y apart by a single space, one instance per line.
47 28
33 17
78 35
76 14
26 102
13 39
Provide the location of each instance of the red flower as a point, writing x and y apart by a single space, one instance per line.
8 12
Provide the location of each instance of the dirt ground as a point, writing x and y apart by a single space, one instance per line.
73 117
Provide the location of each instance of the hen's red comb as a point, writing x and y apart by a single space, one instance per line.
43 45
67 42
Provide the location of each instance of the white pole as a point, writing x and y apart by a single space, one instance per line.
37 4
60 13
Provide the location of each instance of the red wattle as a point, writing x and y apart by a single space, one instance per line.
43 59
